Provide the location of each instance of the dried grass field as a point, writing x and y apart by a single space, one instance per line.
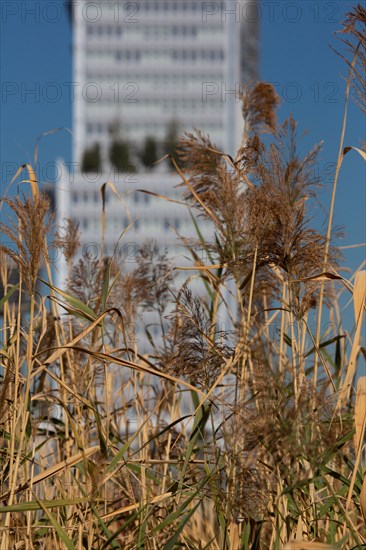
244 436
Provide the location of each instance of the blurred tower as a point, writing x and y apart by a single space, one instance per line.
150 69
140 66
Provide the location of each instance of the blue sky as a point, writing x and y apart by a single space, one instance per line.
295 54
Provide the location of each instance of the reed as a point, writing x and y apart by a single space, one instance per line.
245 436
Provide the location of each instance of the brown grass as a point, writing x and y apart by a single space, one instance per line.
248 435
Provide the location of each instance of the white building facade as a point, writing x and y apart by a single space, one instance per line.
140 67
146 63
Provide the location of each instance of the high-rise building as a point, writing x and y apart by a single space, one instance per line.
140 66
150 69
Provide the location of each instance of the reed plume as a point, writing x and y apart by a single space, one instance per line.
27 232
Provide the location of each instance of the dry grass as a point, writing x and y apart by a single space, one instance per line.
247 436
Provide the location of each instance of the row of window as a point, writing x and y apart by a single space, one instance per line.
144 81
152 129
119 223
135 54
172 5
131 9
104 30
198 54
176 55
199 104
174 30
146 125
180 55
87 197
94 197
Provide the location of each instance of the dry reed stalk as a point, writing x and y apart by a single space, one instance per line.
359 295
352 66
278 455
